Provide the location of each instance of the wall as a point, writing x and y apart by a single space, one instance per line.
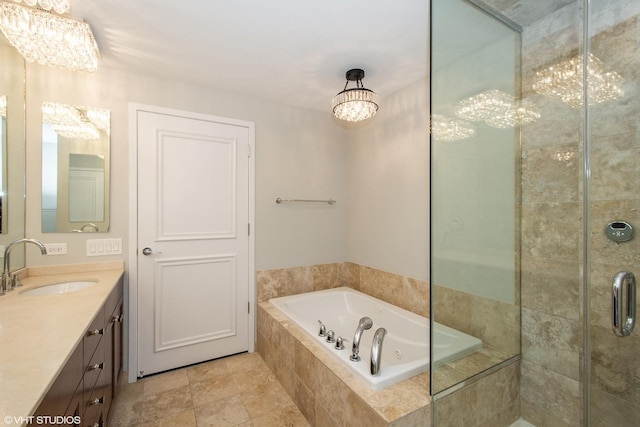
389 186
299 153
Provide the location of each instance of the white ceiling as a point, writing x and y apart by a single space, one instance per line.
291 51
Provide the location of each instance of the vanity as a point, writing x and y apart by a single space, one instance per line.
61 353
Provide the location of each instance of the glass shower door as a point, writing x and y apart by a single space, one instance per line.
612 194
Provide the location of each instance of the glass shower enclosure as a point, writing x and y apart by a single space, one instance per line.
535 201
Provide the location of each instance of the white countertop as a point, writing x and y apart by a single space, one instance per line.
38 333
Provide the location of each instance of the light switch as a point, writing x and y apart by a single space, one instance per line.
100 247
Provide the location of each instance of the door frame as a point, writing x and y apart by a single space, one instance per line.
132 305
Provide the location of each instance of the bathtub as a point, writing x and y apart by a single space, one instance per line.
405 351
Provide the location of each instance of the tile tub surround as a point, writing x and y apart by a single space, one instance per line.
494 322
57 323
326 393
491 401
402 291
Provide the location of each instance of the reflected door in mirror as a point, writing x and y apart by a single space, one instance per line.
75 169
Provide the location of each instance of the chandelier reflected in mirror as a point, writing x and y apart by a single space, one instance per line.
497 109
449 130
355 104
73 122
565 80
49 39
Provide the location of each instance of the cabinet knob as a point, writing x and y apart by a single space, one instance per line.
96 366
117 318
97 401
96 332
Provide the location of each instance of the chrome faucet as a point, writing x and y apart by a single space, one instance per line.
5 281
376 351
364 324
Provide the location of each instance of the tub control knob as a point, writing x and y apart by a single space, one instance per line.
339 343
331 337
323 330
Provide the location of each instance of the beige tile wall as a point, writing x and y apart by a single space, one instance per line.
552 222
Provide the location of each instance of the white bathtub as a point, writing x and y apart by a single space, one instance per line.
405 351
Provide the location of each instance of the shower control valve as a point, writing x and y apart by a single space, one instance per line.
339 343
323 330
331 337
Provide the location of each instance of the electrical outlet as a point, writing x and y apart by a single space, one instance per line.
56 248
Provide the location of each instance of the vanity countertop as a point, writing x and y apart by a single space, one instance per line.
38 333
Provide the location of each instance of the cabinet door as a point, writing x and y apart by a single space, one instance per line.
118 354
59 398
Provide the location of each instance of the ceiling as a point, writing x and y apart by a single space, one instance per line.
291 51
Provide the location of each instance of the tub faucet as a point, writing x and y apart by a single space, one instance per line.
364 324
5 281
376 351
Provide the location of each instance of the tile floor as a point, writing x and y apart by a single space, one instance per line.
238 390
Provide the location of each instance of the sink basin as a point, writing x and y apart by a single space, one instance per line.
59 288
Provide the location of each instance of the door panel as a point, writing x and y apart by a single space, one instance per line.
613 195
193 274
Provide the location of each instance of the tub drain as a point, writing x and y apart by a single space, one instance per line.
398 354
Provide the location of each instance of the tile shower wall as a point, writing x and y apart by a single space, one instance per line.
552 185
551 230
615 194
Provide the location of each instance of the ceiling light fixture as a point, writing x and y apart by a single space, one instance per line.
49 39
60 6
355 104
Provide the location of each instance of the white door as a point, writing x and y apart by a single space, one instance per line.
193 243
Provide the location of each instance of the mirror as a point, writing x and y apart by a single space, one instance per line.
475 247
75 169
3 157
12 150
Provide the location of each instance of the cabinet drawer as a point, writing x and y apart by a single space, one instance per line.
95 367
112 301
93 336
93 406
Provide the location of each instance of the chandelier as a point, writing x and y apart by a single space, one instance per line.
449 130
565 81
74 122
497 109
49 39
355 104
60 6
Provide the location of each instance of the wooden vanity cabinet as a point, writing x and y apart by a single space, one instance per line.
86 386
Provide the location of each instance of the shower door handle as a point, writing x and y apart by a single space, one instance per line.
623 304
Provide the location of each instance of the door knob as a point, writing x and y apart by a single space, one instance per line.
623 304
149 251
